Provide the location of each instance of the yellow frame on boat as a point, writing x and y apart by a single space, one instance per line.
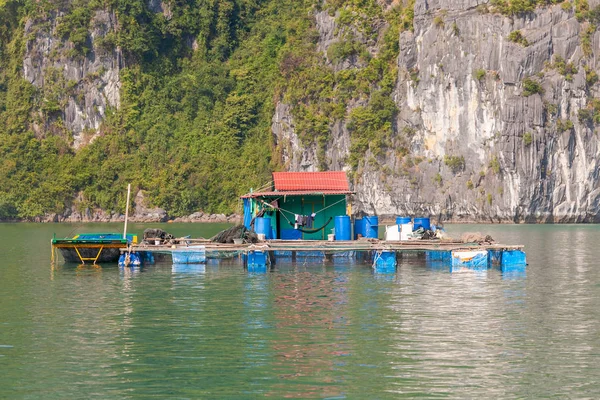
83 260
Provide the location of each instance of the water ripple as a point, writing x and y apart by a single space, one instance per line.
308 330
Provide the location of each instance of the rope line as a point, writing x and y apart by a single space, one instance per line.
307 230
331 205
267 185
292 213
375 258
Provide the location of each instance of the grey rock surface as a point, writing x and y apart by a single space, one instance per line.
519 166
83 86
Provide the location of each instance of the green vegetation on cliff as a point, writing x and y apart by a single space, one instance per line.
193 126
199 80
516 7
198 83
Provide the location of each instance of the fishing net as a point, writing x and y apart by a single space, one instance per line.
476 237
235 232
153 234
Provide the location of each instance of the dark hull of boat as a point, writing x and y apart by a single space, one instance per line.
107 255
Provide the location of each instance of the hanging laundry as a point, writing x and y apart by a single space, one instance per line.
309 220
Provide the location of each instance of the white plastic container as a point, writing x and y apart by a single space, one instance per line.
406 231
392 232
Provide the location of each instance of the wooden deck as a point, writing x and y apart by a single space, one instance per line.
328 246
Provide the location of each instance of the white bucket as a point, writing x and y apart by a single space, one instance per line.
331 237
261 236
157 242
238 241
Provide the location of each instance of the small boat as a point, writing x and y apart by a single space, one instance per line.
94 247
99 247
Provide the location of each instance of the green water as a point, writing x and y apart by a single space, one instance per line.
301 331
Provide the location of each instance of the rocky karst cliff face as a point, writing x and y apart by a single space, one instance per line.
493 118
76 87
495 115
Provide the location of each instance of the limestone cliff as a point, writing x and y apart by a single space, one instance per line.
493 107
75 89
494 117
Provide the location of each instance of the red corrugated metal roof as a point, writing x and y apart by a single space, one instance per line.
296 193
311 181
306 183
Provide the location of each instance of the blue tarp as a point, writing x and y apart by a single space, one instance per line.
470 259
291 234
247 213
189 255
104 236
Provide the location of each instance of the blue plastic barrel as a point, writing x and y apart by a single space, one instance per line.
263 225
342 228
359 228
402 220
371 227
273 232
421 223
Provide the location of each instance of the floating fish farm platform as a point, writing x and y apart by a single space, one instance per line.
381 253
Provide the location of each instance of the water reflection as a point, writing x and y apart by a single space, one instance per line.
188 268
308 310
508 271
446 266
343 264
129 272
386 275
474 270
514 272
89 271
257 311
452 322
325 329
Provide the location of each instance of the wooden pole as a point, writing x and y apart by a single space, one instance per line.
126 211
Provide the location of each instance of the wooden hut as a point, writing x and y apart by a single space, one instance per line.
300 205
